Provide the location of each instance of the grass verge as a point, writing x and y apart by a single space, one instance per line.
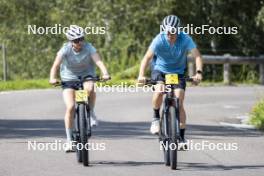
24 84
43 84
257 115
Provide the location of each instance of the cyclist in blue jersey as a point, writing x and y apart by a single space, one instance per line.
170 48
76 58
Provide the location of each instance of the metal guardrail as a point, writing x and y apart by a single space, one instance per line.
227 61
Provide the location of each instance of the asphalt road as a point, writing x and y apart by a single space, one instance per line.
37 115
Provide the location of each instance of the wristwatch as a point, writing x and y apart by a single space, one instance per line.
199 72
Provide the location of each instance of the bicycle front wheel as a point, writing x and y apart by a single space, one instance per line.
164 133
174 130
83 135
77 134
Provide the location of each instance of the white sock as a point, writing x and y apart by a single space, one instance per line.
69 134
92 113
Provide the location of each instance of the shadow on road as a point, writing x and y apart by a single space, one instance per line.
11 129
31 128
125 163
123 130
55 128
183 166
203 131
209 167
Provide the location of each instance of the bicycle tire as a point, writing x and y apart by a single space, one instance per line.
174 119
88 120
163 135
83 135
77 135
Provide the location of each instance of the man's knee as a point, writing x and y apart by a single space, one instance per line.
159 89
179 93
158 94
157 97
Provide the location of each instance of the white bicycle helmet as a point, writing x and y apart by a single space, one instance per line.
74 32
171 23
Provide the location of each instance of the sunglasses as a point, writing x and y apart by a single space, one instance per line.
78 40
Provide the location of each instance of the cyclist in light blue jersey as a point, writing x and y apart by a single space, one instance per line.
76 58
170 49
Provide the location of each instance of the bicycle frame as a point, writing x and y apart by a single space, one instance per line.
79 84
86 104
82 127
82 121
170 120
87 107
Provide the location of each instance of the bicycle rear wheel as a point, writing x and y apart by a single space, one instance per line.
174 131
83 135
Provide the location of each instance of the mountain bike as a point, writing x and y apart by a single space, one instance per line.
169 134
82 122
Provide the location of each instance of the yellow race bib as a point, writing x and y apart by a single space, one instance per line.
81 95
171 79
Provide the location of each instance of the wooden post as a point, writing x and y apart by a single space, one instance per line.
4 62
226 73
261 73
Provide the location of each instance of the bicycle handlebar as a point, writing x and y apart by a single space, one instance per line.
187 78
96 79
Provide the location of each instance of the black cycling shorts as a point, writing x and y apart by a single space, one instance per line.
72 84
157 75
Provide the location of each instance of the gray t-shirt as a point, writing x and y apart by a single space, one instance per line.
76 64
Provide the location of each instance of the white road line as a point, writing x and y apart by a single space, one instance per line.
4 93
231 107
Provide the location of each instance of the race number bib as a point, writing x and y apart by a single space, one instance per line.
171 79
81 95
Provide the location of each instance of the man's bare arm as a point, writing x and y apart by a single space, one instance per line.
198 62
144 63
